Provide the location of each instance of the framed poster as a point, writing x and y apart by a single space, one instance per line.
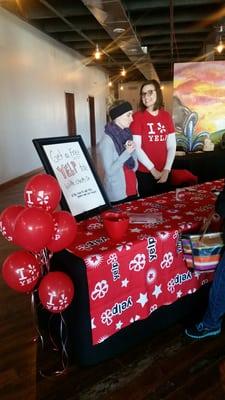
68 160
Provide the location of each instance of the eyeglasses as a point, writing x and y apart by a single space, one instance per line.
148 93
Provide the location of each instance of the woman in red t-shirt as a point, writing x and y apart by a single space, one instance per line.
154 135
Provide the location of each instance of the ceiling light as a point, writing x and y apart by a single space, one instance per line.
97 53
121 87
118 30
220 46
110 84
220 29
123 72
144 49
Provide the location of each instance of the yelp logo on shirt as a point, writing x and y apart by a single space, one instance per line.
156 132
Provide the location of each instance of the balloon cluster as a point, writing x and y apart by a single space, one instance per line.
40 230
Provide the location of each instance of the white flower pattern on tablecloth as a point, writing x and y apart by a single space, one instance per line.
101 288
167 260
94 226
135 318
190 291
171 286
106 317
153 308
112 258
176 234
138 262
124 246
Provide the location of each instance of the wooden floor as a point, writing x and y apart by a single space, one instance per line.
167 367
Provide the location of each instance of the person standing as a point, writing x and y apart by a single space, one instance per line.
118 155
211 323
154 135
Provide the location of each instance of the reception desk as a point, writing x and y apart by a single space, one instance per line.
207 166
128 291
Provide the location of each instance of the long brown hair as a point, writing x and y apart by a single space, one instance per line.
159 96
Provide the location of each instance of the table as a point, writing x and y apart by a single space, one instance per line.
208 165
122 288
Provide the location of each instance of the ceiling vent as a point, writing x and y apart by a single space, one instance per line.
112 16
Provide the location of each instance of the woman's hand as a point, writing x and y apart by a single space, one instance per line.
130 146
156 174
164 176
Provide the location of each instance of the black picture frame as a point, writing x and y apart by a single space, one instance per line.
68 160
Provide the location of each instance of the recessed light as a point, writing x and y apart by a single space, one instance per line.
144 49
118 30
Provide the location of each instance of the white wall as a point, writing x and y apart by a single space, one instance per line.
35 71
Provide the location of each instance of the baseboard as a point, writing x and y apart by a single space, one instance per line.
20 178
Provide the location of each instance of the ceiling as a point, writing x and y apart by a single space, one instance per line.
157 33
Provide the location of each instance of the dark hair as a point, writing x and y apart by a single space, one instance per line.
159 96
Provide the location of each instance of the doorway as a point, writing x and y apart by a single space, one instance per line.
91 102
70 111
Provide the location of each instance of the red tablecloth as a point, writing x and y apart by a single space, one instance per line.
129 280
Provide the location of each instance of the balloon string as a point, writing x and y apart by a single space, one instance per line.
65 359
55 347
34 314
46 259
64 354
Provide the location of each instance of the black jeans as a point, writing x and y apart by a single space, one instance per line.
148 186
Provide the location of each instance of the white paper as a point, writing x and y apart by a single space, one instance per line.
145 218
75 176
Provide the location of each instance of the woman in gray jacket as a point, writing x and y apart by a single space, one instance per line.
117 151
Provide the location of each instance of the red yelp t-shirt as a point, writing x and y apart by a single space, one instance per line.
153 130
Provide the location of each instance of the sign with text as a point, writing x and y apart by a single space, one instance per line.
68 160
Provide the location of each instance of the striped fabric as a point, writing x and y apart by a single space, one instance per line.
202 253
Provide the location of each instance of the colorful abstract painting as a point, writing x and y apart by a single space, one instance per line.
199 103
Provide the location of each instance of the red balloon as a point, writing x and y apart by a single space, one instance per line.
56 291
42 191
65 231
34 228
7 221
21 271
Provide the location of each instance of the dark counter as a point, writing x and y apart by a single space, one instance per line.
207 166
